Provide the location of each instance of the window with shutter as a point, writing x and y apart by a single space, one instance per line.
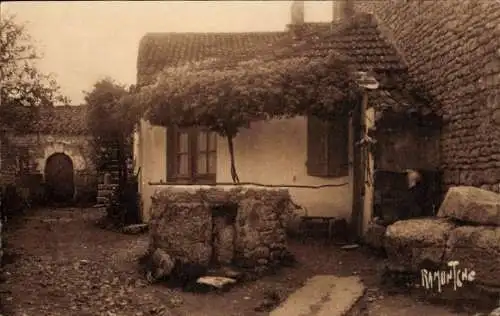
191 155
327 147
317 158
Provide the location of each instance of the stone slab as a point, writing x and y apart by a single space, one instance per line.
471 205
135 229
216 281
322 295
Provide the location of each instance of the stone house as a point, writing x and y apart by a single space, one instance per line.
52 160
453 49
415 123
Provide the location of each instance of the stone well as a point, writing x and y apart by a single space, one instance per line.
241 228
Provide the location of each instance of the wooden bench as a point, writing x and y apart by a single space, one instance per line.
309 224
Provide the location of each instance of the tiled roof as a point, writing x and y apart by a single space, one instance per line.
160 50
359 38
362 42
70 120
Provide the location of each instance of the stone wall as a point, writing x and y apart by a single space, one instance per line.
244 228
453 48
23 156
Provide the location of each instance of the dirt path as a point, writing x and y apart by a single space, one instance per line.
64 265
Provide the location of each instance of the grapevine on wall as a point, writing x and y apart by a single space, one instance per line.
225 98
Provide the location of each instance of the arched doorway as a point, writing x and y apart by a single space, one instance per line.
59 178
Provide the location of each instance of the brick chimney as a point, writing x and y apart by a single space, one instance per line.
342 9
296 25
297 13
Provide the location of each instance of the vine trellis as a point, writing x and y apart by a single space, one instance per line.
225 98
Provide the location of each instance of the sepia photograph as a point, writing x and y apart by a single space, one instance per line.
250 158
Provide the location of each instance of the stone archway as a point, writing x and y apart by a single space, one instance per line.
59 178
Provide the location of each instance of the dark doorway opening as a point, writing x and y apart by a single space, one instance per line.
59 179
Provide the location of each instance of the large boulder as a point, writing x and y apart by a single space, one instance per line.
472 205
476 248
416 243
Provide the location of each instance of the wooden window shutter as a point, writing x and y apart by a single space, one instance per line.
317 143
171 153
338 150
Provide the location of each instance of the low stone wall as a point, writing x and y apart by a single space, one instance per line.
215 227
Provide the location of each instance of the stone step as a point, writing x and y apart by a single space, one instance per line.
106 197
103 186
323 295
105 193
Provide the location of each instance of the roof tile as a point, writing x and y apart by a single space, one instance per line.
360 39
160 50
70 120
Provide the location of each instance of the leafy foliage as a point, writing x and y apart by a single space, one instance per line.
105 118
108 115
24 88
111 121
225 97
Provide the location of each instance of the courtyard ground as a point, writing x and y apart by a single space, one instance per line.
59 262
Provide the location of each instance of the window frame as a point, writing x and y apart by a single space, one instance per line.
193 153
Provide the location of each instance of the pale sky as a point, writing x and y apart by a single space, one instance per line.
88 40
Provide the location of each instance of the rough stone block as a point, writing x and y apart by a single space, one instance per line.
471 204
496 311
162 264
476 248
255 233
413 244
204 227
184 230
